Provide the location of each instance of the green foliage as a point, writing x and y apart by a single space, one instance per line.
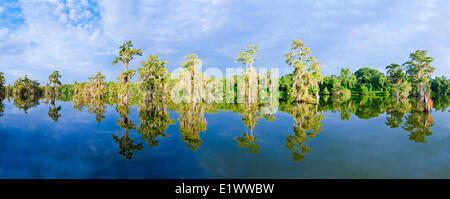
371 78
396 78
26 93
25 103
192 79
126 54
363 90
419 67
325 91
250 76
418 124
248 56
347 79
66 92
26 88
306 71
153 76
53 111
343 93
154 121
306 126
98 87
2 79
54 78
2 85
248 142
298 86
440 86
192 122
419 70
126 145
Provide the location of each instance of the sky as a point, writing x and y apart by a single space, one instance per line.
80 38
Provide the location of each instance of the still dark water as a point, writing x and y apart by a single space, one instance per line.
368 143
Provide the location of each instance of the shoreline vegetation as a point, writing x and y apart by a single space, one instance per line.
304 85
406 94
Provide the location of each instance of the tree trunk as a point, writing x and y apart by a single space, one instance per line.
146 98
193 100
425 99
317 94
154 93
163 92
125 99
126 66
396 96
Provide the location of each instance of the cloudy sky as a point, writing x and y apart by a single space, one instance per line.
80 38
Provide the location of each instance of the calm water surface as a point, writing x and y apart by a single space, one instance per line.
348 140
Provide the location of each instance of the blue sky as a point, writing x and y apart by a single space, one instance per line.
80 38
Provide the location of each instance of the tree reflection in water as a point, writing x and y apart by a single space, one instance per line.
25 103
155 119
418 124
307 124
98 108
2 106
53 111
396 112
250 117
192 122
126 145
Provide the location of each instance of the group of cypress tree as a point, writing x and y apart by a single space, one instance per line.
305 84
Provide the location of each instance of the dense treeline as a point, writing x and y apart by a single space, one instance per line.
305 84
403 93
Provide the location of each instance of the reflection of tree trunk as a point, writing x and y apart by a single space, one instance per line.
126 94
146 98
396 95
154 93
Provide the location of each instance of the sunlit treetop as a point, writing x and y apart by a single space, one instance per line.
248 56
314 68
191 62
395 73
153 72
298 55
419 66
126 53
54 78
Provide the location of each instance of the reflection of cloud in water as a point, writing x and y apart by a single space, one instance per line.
363 146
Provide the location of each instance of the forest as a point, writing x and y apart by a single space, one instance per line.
405 90
305 85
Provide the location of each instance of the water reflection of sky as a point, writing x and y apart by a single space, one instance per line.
34 146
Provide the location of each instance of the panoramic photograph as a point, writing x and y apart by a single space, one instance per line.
224 89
